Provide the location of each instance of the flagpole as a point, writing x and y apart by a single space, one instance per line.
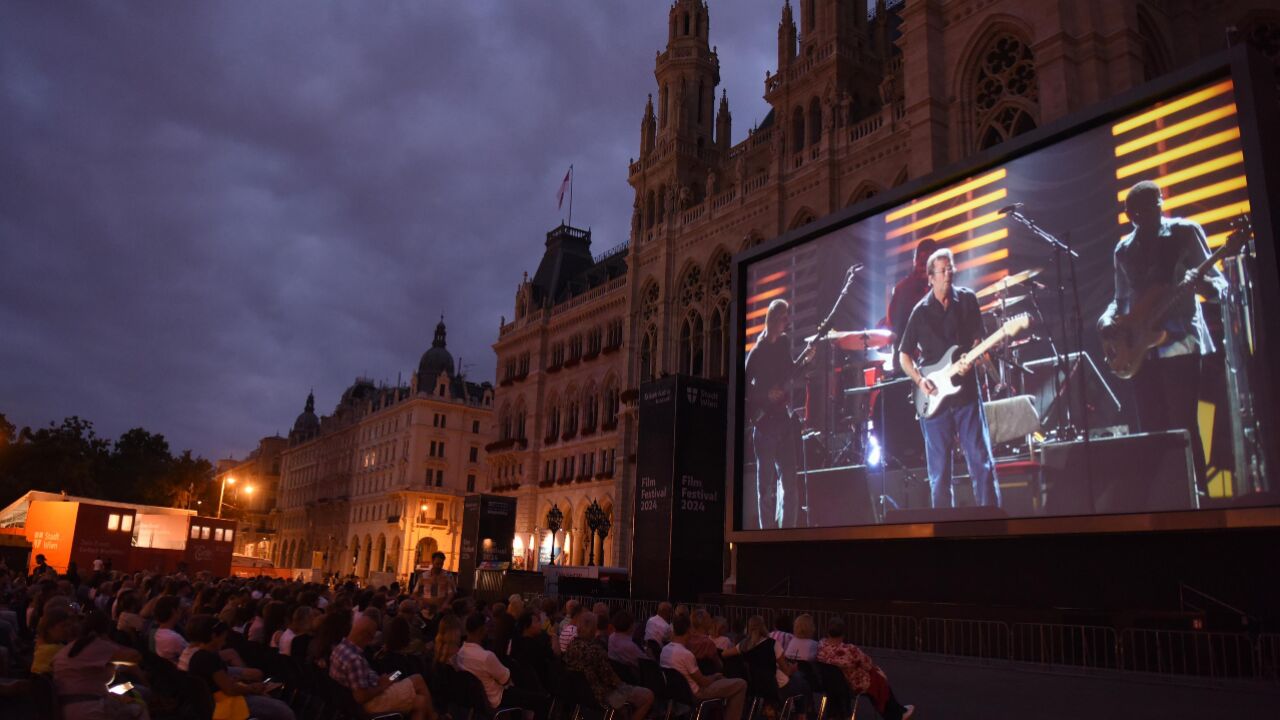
570 195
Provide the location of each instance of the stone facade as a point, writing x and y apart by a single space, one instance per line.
251 495
861 101
373 489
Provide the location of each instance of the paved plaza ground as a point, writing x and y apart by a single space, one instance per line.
964 689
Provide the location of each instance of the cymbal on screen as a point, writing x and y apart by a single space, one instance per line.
856 339
999 303
1008 281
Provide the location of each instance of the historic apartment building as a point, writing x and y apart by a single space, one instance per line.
376 487
863 99
250 489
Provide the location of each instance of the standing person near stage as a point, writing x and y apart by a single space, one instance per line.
1162 252
437 584
909 291
950 316
770 370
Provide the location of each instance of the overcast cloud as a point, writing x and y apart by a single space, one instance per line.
208 208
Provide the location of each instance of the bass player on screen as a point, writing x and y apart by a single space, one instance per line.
1150 262
949 317
769 370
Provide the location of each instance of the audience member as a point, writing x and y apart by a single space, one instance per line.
803 646
484 664
376 694
862 674
676 655
621 647
166 641
52 634
83 669
232 697
658 628
585 655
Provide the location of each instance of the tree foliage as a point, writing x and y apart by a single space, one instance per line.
71 458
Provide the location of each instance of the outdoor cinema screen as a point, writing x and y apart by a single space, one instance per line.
1140 401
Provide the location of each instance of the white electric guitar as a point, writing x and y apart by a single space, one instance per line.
944 373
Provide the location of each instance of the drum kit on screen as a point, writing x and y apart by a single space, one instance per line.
858 409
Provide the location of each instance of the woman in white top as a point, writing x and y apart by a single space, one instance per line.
802 645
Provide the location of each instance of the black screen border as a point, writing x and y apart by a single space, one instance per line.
1259 107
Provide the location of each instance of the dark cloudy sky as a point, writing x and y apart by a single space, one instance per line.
207 208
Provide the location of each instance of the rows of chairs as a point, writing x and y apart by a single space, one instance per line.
315 696
832 697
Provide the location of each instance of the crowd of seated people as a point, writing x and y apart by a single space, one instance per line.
109 644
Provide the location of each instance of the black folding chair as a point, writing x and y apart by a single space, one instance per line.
651 677
575 692
682 697
762 679
473 702
839 700
45 697
627 673
343 705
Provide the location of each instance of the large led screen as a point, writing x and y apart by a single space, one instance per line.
1120 360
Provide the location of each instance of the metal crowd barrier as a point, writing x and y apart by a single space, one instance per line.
1171 653
1087 646
1186 652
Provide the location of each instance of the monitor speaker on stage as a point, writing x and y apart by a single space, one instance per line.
680 489
1052 400
1148 472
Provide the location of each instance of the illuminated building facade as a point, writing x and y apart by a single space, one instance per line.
251 494
374 489
863 99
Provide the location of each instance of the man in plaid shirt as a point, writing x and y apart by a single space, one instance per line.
588 657
376 694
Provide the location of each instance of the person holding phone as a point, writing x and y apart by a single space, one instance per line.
83 669
232 697
376 693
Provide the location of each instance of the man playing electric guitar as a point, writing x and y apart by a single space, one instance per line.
1161 252
947 317
770 370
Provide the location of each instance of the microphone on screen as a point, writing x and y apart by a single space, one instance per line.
1010 208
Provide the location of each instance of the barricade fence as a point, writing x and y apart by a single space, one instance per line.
1177 653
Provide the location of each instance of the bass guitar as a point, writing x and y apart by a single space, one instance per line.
943 373
1127 339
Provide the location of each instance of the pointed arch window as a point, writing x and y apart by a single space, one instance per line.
1006 91
797 130
718 343
691 345
649 355
649 301
815 121
691 288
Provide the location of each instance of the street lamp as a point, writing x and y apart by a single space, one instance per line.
554 518
223 492
595 516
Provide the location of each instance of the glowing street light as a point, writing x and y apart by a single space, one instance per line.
223 492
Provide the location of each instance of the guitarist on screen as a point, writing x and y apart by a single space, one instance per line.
769 370
950 316
1160 253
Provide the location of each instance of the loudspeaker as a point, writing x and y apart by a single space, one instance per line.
1148 472
1104 407
840 497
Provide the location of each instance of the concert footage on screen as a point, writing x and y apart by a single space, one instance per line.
1069 333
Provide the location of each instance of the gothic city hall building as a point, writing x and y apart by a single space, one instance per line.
864 96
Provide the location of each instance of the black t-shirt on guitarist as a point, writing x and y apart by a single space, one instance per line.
932 330
769 367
